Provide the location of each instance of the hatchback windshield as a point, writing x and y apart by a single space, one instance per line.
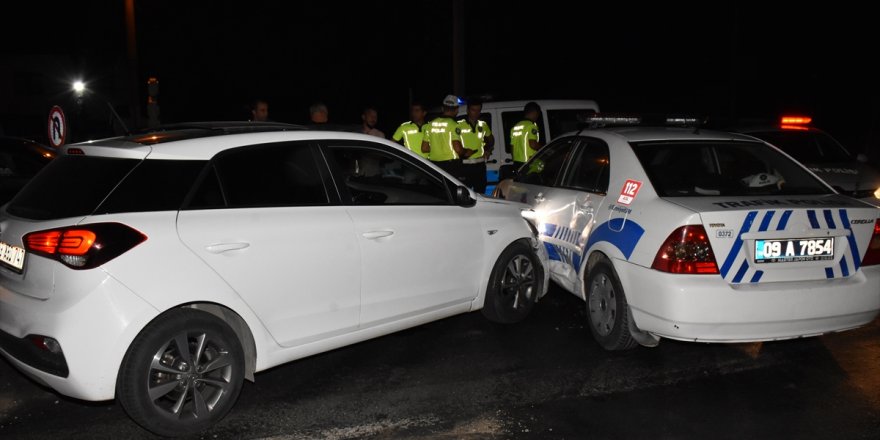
683 169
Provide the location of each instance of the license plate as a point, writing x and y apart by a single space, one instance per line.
797 249
12 256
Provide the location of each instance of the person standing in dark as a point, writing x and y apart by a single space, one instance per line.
409 134
259 110
476 135
442 139
525 136
369 118
318 114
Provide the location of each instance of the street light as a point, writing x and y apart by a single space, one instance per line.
79 87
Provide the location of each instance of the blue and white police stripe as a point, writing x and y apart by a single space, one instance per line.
738 269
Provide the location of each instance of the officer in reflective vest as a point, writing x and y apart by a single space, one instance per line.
442 139
409 134
476 135
525 137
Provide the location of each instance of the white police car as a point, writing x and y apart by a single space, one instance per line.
699 236
164 268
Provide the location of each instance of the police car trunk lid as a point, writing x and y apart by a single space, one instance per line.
785 238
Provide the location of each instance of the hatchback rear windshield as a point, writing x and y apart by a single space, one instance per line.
77 186
694 169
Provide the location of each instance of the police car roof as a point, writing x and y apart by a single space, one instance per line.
644 134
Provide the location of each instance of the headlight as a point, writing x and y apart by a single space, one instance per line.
877 193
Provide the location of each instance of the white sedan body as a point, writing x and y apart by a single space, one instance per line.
749 297
292 281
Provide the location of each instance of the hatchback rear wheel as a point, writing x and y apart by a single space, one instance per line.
182 373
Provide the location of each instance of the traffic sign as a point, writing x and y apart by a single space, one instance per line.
57 127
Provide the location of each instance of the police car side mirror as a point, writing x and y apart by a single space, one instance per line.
862 158
463 197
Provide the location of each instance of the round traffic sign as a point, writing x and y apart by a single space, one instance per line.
57 127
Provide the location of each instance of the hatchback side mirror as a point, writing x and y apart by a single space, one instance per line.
463 197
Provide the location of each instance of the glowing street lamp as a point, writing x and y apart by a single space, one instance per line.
79 87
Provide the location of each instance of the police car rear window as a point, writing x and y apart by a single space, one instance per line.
700 169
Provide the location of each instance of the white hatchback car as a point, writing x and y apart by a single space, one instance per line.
699 236
163 268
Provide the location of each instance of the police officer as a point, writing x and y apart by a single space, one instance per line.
525 136
475 135
442 139
409 134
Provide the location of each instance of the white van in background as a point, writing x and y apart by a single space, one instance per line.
558 116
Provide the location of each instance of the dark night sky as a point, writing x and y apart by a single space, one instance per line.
738 60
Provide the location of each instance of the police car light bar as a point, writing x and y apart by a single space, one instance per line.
598 121
684 121
796 120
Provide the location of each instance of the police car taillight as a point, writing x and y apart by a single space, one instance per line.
872 257
686 251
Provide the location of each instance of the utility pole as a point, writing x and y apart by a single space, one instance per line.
133 83
458 46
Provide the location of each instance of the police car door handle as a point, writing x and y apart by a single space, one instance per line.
508 160
492 161
219 248
373 235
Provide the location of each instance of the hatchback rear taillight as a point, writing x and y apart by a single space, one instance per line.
84 246
872 257
687 250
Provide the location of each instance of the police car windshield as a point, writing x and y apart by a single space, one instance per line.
811 147
700 168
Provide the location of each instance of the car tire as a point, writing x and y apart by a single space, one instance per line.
176 392
514 285
607 309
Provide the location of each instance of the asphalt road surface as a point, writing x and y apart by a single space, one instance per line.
545 378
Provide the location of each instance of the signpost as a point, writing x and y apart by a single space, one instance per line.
57 127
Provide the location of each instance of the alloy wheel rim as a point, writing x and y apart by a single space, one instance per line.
518 282
189 375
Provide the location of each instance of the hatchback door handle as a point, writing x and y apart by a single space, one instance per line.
373 235
539 197
219 248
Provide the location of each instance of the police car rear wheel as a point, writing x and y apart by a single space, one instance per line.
607 309
513 286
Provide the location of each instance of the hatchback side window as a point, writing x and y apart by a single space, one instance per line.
282 174
370 176
589 170
545 167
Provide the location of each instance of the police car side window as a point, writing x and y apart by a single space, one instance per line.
371 176
590 169
545 167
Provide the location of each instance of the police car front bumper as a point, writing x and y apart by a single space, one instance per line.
706 308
